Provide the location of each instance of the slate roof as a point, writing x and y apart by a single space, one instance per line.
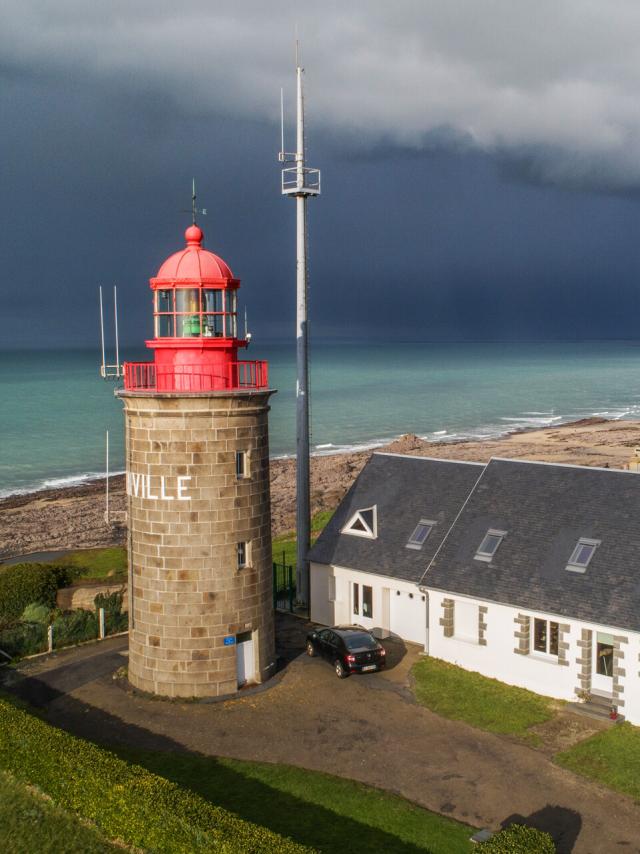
545 509
405 490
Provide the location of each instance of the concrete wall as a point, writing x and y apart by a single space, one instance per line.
187 511
82 595
503 649
407 607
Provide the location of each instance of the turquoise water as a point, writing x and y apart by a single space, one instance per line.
55 408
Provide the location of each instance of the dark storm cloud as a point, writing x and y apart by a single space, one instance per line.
447 146
558 78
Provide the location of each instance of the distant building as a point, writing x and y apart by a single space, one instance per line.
525 572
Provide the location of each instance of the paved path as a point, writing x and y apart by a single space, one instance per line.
365 728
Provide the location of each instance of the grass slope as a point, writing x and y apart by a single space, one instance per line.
181 803
485 703
96 564
30 822
611 757
329 814
287 542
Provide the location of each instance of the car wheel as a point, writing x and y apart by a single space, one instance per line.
311 651
341 673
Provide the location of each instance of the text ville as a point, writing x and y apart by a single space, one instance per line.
157 488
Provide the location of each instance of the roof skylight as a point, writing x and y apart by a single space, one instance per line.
420 534
489 545
363 523
582 554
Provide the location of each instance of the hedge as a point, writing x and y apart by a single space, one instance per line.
72 627
125 801
27 583
23 639
519 839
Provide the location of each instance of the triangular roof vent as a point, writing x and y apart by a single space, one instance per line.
363 523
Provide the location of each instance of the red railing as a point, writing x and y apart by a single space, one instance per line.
147 376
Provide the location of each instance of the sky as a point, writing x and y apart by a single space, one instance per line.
480 164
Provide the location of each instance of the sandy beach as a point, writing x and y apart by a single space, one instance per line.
73 517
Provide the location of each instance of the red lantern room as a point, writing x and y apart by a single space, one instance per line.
195 317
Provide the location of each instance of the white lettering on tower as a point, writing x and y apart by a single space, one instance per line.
182 487
158 487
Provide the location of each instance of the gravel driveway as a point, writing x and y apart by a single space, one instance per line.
367 728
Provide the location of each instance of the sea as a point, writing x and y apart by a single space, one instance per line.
55 409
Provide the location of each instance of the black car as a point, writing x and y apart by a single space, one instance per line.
350 649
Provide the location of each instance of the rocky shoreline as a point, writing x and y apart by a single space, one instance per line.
73 517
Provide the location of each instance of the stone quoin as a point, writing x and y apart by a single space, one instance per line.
197 483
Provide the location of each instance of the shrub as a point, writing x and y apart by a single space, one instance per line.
74 627
35 613
519 839
111 602
27 583
23 639
125 801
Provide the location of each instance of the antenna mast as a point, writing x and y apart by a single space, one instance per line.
301 182
110 372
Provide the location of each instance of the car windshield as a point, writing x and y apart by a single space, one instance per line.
360 641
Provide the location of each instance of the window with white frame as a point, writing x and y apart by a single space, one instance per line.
545 636
362 600
465 620
420 534
582 554
243 554
242 465
363 523
489 545
332 588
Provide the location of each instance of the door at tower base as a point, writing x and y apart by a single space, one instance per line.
245 658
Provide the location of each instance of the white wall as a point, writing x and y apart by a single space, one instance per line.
534 671
407 604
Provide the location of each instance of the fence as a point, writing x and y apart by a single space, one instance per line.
284 585
23 640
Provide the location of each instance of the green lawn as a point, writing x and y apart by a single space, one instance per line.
95 564
181 803
30 822
485 703
611 757
314 809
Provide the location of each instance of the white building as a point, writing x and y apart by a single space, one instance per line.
525 572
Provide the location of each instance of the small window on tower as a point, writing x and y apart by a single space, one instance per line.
242 464
243 559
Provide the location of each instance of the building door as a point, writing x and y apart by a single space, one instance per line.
244 658
602 681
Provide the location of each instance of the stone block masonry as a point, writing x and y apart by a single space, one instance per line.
188 511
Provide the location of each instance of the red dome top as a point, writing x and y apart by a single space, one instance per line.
194 262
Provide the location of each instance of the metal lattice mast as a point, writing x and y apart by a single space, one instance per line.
301 182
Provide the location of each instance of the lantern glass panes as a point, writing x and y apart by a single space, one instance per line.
212 319
164 326
187 312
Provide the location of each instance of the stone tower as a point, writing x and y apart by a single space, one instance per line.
197 475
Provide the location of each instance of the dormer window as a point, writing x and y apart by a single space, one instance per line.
582 554
489 545
420 534
363 523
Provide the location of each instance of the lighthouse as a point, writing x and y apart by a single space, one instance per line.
197 482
